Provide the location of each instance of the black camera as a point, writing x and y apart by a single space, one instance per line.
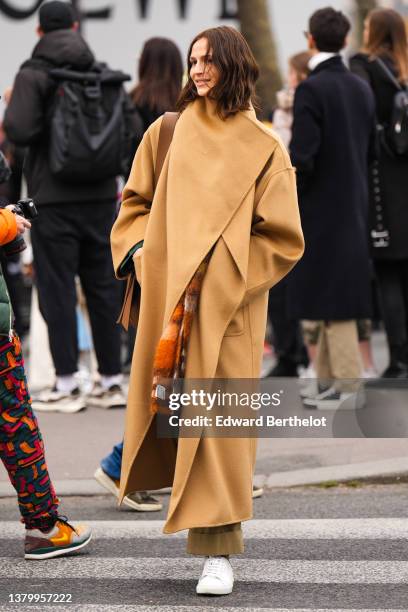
25 208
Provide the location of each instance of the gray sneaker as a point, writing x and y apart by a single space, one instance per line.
334 399
113 397
141 501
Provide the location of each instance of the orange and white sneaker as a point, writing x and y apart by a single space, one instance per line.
60 539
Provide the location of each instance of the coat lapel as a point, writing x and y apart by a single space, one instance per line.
205 161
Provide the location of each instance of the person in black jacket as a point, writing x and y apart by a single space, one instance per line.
386 44
71 235
330 147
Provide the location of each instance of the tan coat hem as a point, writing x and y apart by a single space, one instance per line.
195 526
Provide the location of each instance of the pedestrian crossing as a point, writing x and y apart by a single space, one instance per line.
306 565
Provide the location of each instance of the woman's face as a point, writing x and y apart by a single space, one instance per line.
203 72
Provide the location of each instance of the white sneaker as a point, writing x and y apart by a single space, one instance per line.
309 390
308 372
217 577
370 373
106 398
52 400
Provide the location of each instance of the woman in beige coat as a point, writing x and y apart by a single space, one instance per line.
208 241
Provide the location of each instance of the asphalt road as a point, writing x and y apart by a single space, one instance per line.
341 548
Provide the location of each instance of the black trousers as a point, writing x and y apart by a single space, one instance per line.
72 240
287 333
392 277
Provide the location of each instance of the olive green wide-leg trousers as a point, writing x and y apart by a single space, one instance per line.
216 541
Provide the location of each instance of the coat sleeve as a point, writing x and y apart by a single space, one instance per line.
276 241
130 226
306 134
24 119
8 226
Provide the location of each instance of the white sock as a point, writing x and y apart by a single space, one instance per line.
66 383
108 381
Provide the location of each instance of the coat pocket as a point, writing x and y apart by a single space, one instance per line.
236 326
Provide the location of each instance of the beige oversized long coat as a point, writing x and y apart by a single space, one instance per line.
227 184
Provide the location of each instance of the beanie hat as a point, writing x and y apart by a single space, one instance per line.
56 15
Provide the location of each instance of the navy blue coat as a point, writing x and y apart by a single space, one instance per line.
332 143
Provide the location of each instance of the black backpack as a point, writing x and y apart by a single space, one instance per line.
396 132
93 126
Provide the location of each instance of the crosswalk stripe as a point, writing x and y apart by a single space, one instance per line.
306 550
345 529
153 608
250 570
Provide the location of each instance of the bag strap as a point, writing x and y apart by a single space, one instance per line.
167 127
389 74
130 309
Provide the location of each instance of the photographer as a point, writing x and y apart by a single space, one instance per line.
21 447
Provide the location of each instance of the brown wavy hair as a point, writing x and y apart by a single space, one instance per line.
237 67
299 63
160 76
387 36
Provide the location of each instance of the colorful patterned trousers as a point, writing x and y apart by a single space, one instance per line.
21 445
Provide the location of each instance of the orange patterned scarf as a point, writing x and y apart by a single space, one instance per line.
170 357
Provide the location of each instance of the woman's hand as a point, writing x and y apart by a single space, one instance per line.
138 253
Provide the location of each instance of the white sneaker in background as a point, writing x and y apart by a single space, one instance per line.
217 577
52 400
309 390
370 373
113 397
84 379
308 372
